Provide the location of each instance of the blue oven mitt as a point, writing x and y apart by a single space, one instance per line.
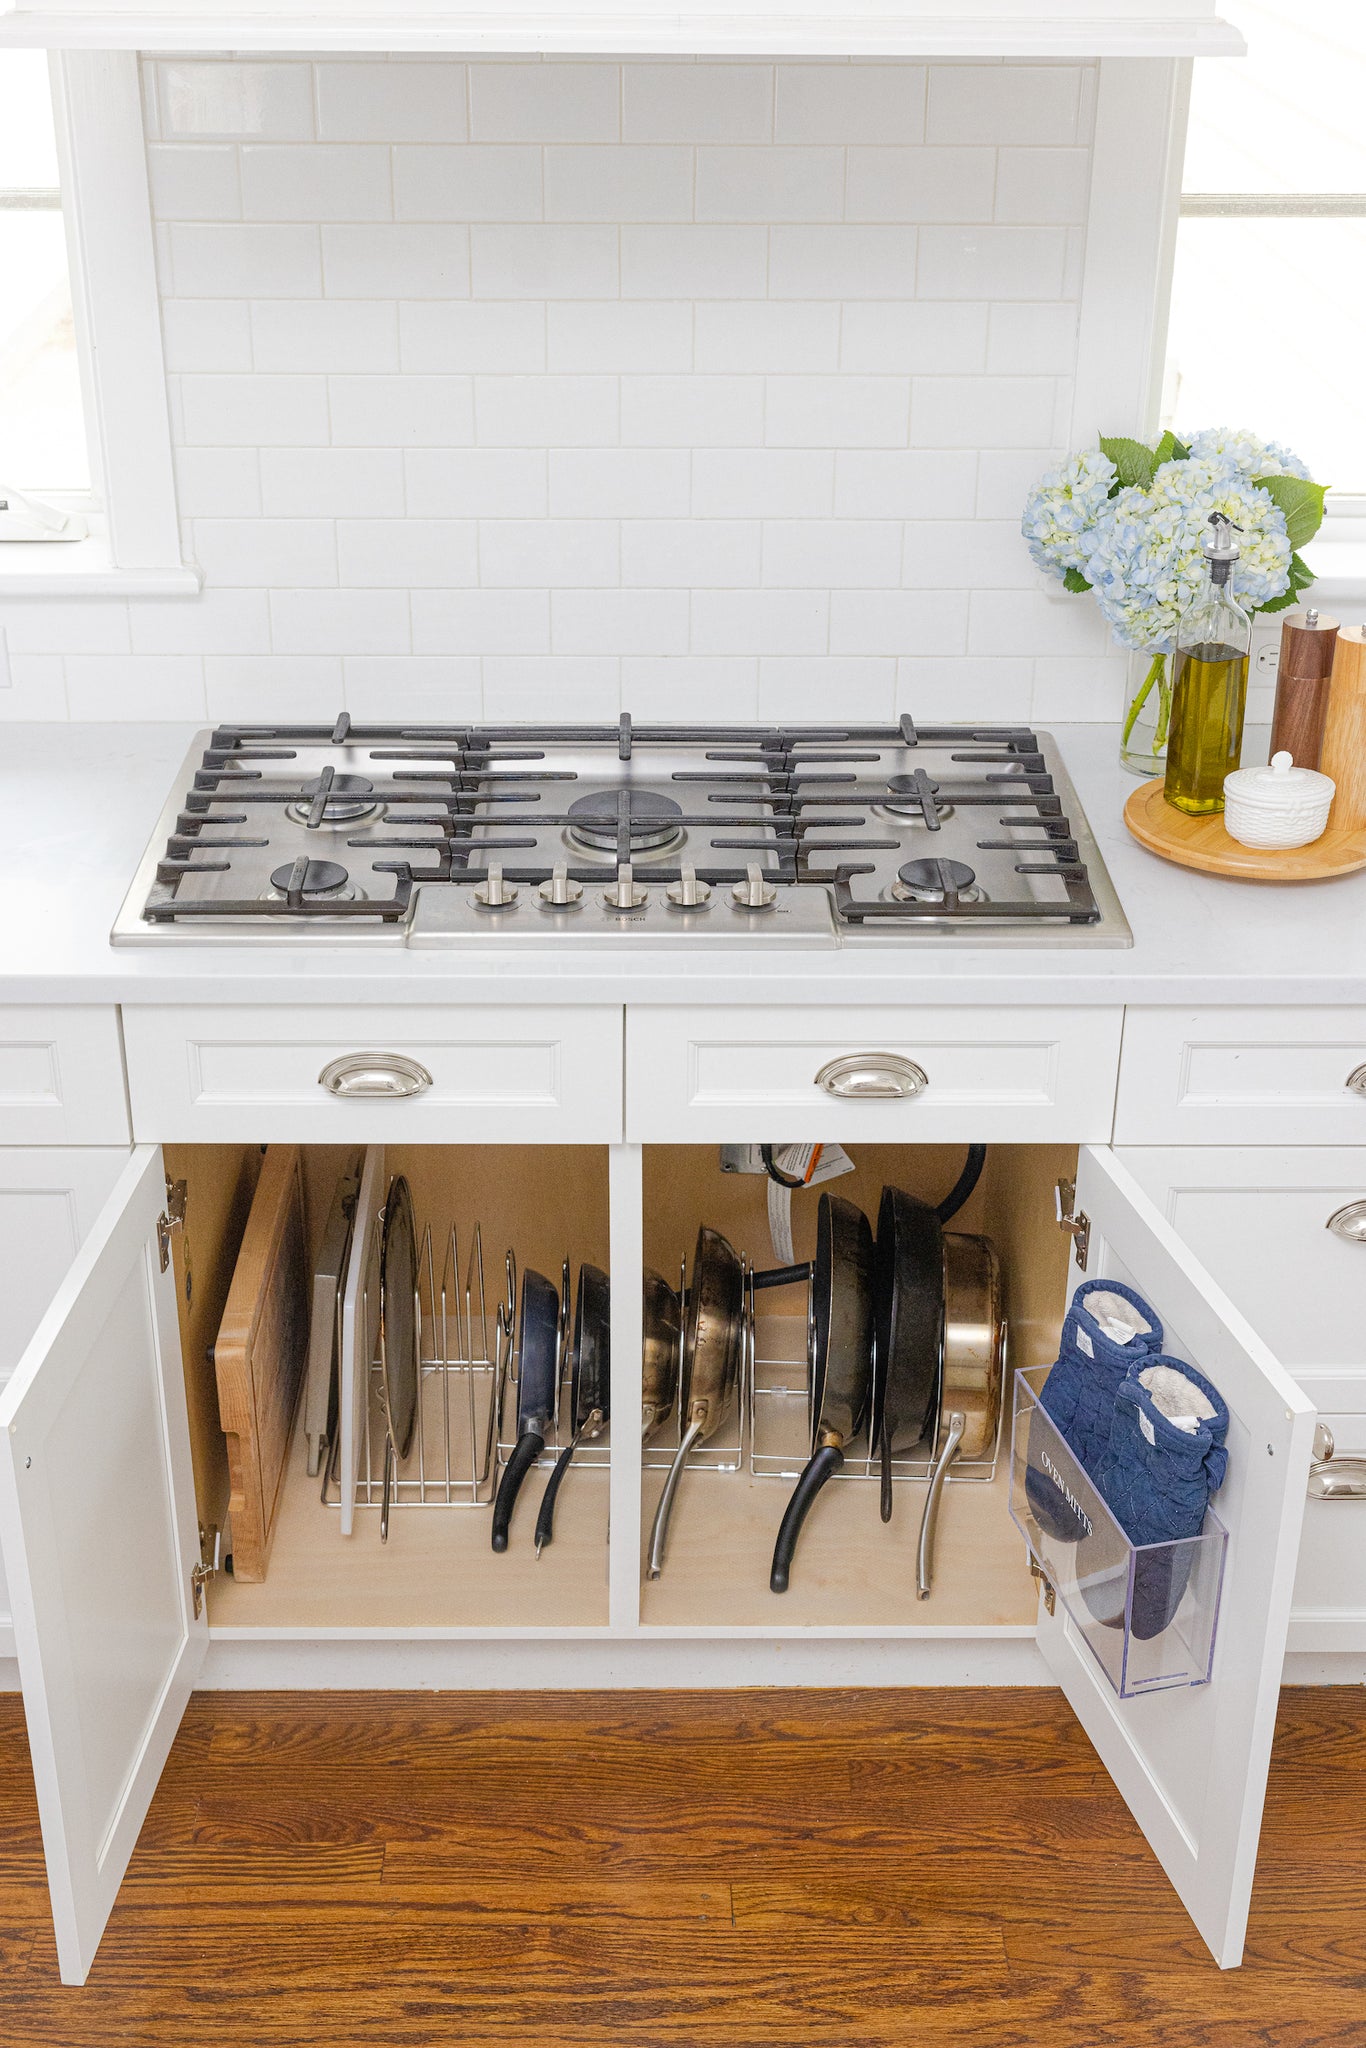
1166 1456
1108 1326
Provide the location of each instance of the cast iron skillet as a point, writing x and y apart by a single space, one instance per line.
590 1396
908 1324
712 1342
398 1322
842 1367
537 1393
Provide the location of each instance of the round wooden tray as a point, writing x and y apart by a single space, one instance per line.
1203 843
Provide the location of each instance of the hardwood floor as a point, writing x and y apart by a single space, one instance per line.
689 1870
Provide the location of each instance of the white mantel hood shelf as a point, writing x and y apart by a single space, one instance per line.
873 28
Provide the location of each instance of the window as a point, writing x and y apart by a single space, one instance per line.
1269 291
42 421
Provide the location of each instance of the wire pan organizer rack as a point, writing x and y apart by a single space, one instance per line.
592 1450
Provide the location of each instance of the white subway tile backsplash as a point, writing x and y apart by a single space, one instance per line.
1086 687
1000 412
406 554
693 262
992 263
767 483
397 261
476 483
279 687
31 686
546 553
850 103
914 484
92 627
619 483
968 553
760 621
321 181
792 687
545 412
1043 185
267 553
194 181
1003 103
215 622
494 621
218 482
206 334
552 262
752 334
309 483
1032 338
340 621
235 99
617 184
939 687
1004 478
686 102
893 622
256 410
324 334
685 553
1007 621
842 263
482 181
584 686
465 334
430 687
921 185
393 101
849 553
615 334
679 688
914 338
114 687
619 621
564 102
401 412
692 412
748 184
217 260
837 412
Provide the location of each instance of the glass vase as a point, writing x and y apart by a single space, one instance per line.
1147 714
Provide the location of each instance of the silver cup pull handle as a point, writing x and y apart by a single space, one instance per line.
1356 1081
872 1076
373 1076
1349 1222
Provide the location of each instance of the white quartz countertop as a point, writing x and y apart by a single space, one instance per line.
78 804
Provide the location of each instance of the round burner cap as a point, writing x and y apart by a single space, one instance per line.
653 818
321 878
933 881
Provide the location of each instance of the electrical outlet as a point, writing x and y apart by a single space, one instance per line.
1268 658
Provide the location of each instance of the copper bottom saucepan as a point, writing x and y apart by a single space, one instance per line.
972 1376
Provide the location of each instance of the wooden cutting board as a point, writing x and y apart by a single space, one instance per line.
261 1355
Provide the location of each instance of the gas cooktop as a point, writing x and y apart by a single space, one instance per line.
436 836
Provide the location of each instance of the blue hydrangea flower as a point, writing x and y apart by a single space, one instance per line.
1063 511
1236 448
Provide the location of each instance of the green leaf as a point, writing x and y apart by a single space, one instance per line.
1301 502
1134 462
1301 576
1074 580
1169 449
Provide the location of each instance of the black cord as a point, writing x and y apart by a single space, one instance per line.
965 1183
784 1180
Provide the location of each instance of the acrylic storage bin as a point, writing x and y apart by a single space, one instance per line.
1148 1612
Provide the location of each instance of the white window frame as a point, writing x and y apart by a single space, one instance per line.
133 548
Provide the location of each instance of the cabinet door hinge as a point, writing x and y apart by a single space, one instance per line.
208 1567
171 1218
1037 1572
1076 1223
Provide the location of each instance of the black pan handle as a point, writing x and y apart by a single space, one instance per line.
885 1448
826 1462
529 1448
780 1276
545 1521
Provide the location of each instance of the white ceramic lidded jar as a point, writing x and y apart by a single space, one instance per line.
1281 806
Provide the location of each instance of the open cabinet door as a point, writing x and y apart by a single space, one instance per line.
97 1521
1191 1763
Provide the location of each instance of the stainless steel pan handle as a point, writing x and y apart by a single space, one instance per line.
924 1564
660 1531
374 1075
872 1076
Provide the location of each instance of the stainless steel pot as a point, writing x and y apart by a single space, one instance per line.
973 1374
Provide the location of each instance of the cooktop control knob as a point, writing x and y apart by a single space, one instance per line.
687 892
495 894
624 894
559 893
754 893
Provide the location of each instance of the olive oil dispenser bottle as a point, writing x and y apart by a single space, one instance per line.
1209 684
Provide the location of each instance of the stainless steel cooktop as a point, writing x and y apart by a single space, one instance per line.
436 836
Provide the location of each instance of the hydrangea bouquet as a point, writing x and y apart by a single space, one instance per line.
1126 522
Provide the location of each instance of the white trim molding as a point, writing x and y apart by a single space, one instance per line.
107 209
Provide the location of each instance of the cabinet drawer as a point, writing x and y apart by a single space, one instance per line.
477 1076
774 1075
61 1077
1222 1077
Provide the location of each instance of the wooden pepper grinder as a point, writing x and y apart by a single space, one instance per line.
1303 679
1344 733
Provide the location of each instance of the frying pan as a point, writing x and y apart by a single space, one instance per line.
908 1329
663 1320
398 1334
974 1368
712 1333
590 1394
537 1393
843 1362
